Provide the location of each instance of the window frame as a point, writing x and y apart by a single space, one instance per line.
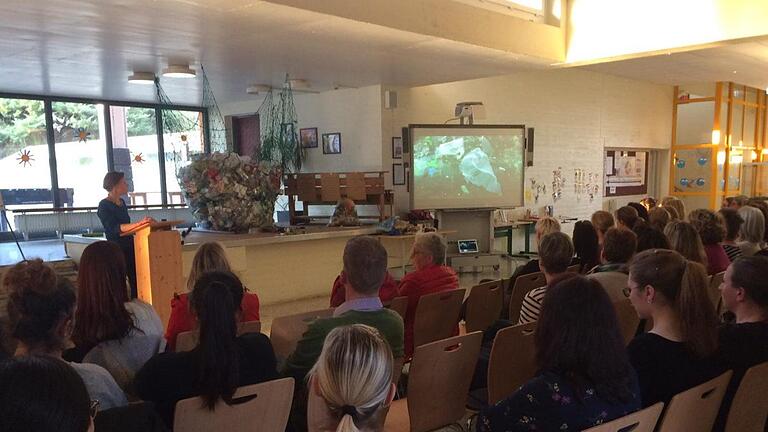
108 151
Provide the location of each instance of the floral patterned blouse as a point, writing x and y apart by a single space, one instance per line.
548 403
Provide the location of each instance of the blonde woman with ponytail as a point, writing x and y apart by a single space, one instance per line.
678 352
351 383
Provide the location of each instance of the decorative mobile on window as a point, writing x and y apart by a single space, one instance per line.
139 158
82 135
25 158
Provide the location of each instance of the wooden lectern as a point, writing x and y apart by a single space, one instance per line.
158 264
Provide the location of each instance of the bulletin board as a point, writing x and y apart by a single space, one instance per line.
626 172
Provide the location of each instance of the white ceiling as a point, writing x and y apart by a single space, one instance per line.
749 60
89 48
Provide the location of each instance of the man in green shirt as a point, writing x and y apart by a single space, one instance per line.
365 264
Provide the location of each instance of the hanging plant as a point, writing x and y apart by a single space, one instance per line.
279 132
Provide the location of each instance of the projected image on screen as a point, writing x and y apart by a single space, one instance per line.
467 167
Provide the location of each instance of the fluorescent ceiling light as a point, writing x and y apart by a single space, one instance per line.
142 78
179 71
255 89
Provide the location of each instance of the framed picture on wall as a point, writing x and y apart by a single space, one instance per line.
308 137
626 172
397 147
332 143
398 174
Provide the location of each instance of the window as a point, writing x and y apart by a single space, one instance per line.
182 139
134 152
81 162
24 163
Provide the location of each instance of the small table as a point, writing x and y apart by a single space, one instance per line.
506 231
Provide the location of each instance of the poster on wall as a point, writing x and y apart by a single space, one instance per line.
626 172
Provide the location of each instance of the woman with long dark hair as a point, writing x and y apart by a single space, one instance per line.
585 377
586 245
678 352
110 331
220 363
210 256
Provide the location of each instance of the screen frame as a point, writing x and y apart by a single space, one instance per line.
447 127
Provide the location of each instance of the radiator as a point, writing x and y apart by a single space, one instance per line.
59 223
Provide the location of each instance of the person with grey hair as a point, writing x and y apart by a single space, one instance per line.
752 231
365 264
431 276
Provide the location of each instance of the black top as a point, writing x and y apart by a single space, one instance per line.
741 347
170 377
112 216
665 368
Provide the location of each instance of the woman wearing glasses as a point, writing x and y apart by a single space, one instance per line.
678 352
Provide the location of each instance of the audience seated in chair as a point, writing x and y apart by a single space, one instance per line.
350 386
602 220
555 253
618 247
744 343
684 239
649 237
41 393
642 212
545 225
41 309
678 352
711 229
658 218
209 257
627 217
431 276
365 263
220 363
585 243
110 331
732 222
675 206
585 376
387 292
752 232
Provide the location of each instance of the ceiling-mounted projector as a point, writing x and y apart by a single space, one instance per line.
469 111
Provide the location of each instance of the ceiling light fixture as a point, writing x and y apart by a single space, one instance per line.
179 71
256 89
145 78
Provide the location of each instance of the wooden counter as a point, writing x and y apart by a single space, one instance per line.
278 267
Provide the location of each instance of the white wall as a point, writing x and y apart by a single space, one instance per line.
576 114
355 113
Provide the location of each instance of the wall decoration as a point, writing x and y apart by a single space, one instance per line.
398 174
139 158
558 182
83 135
279 142
308 137
585 184
700 182
537 189
628 172
332 143
703 160
684 182
397 147
25 158
680 163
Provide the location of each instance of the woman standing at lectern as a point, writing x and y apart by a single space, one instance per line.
114 217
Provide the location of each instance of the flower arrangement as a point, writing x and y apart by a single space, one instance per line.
229 193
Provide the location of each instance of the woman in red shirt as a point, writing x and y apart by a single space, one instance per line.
209 257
